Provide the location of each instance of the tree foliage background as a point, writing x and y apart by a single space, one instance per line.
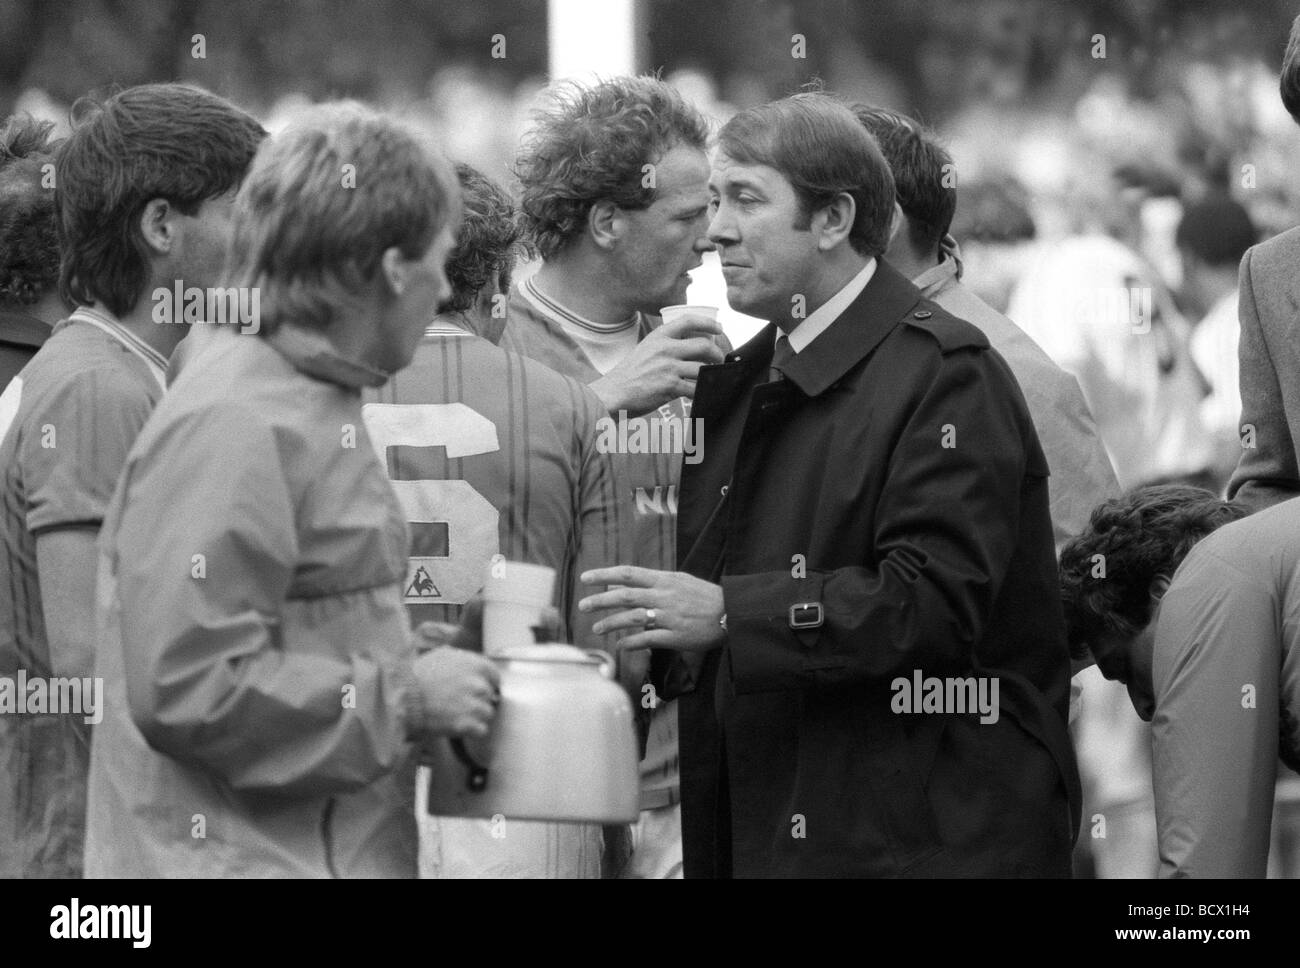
931 56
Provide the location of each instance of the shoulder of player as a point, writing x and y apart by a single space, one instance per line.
543 381
948 332
98 377
275 399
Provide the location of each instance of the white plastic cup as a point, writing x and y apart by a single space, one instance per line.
515 599
669 313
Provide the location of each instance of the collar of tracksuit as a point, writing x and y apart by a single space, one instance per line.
314 355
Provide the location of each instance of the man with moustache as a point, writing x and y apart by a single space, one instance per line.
872 504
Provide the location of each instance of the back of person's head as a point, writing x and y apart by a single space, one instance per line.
487 241
1106 571
168 141
29 244
591 144
324 199
1289 79
1217 230
814 141
923 175
994 212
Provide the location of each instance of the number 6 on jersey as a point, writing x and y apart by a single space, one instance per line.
470 519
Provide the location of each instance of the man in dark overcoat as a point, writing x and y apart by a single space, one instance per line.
865 630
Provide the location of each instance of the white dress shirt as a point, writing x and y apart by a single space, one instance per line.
830 310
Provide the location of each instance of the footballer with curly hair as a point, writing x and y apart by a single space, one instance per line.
615 198
1192 605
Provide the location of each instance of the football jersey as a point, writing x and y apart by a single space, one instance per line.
648 475
493 454
67 421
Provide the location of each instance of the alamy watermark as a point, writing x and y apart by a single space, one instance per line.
1118 307
22 695
77 921
955 694
651 435
232 304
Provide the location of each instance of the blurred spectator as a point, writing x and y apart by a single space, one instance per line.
1103 314
29 245
1212 237
995 226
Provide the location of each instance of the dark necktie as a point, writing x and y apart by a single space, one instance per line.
781 358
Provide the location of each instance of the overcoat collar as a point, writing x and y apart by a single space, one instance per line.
882 305
859 330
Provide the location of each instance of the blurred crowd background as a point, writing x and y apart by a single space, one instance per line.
1184 89
1101 147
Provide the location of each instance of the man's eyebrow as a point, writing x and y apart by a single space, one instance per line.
736 184
694 205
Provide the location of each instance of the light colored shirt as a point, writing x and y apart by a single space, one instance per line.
67 423
1226 672
606 345
1105 317
1214 348
105 321
829 311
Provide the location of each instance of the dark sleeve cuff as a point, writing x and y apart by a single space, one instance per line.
762 652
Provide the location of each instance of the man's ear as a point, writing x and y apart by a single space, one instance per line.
158 225
896 223
393 270
836 221
606 224
1159 585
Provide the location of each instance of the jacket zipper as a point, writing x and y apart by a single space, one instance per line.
327 824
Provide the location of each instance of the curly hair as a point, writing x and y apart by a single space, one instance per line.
488 239
29 241
1139 535
590 145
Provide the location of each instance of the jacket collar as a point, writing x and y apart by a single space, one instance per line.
851 338
945 274
312 354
